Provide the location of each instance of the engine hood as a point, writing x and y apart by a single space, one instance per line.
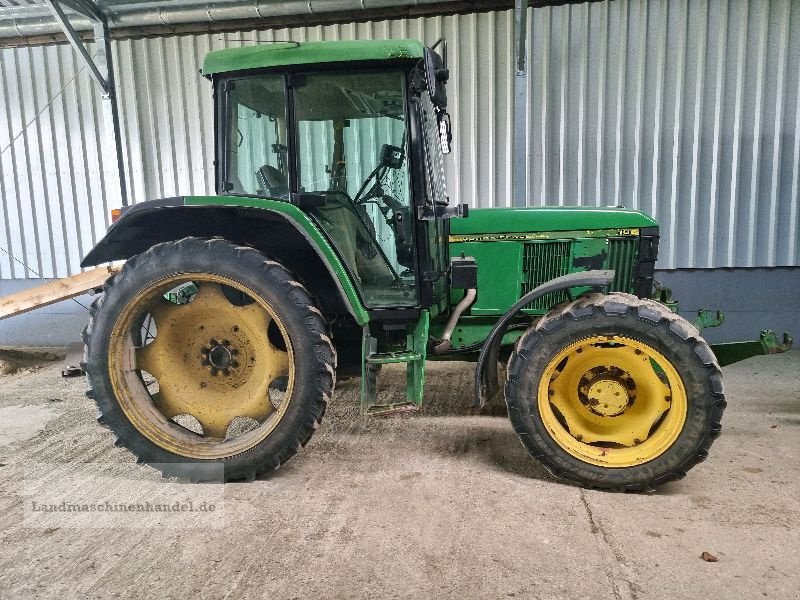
549 218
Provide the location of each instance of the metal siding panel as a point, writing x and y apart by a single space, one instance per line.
621 23
769 237
667 209
33 168
699 106
749 225
685 110
6 167
662 22
563 91
124 53
790 214
601 24
17 184
62 110
487 47
638 75
43 140
719 25
50 182
539 94
97 213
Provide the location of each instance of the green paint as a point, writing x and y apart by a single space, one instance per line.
369 372
389 358
664 296
508 269
499 275
415 371
538 236
470 331
414 356
548 219
768 343
264 56
733 352
706 318
307 227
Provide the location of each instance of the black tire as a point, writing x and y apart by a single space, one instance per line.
643 320
314 354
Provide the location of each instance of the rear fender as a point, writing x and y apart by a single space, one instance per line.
279 229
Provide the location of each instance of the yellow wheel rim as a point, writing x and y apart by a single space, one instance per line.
612 401
203 386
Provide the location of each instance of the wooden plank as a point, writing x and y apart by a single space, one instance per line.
54 291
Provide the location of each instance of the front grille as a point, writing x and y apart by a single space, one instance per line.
621 256
543 261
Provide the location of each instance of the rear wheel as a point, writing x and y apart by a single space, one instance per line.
202 355
615 392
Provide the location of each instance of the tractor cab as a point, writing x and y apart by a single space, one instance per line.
356 145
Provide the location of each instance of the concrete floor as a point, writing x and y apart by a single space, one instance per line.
434 505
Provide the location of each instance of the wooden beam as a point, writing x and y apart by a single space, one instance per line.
54 291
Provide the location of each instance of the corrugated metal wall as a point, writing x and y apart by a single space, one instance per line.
686 110
51 183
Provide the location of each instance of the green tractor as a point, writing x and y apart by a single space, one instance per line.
331 249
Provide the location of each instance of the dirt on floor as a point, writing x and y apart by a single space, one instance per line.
14 360
439 504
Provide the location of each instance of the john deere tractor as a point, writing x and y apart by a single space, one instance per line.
331 248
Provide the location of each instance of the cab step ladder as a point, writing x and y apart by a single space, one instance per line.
413 356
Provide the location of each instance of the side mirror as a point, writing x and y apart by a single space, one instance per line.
392 156
445 132
436 76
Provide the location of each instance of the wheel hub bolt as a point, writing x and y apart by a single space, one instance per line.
219 357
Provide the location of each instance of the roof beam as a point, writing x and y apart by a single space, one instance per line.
85 7
112 138
178 18
77 43
102 71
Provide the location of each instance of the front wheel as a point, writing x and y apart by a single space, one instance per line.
615 392
207 360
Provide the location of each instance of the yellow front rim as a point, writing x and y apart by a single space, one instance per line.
207 376
612 401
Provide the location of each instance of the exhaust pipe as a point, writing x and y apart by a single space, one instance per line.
465 303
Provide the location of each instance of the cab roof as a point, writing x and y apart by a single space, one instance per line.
282 54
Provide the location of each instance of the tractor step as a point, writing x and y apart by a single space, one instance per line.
385 358
414 358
